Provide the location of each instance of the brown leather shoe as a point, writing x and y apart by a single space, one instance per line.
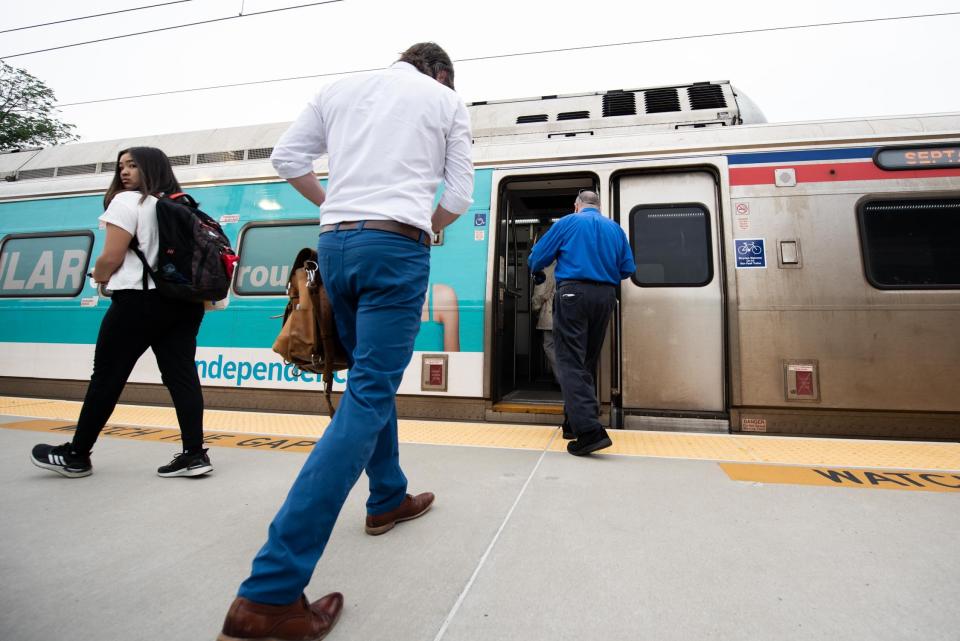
297 621
411 508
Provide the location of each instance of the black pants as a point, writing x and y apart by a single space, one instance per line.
135 321
581 312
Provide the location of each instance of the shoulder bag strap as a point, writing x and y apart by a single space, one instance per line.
328 338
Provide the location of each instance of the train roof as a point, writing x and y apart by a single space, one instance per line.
687 119
615 112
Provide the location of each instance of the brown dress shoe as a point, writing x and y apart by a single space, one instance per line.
411 508
297 621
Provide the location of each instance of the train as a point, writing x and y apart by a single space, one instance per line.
793 278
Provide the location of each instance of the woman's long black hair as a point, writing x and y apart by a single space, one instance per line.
156 174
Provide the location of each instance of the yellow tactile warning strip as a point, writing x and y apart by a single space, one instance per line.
877 479
63 430
298 432
786 450
149 416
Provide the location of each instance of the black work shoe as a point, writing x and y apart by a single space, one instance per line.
568 433
185 464
590 442
62 460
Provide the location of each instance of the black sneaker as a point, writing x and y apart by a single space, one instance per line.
590 442
62 460
184 464
568 433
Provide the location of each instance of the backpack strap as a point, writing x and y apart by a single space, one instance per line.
135 246
184 197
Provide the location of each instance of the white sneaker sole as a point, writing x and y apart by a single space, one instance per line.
196 471
59 469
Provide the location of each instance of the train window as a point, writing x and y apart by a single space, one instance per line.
44 265
671 245
266 254
911 244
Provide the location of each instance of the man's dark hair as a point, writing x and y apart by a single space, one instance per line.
156 174
430 59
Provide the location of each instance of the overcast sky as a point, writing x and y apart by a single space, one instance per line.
874 69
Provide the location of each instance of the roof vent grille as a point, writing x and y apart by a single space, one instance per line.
619 103
573 115
177 161
706 96
259 154
523 120
219 156
76 170
27 174
108 167
657 101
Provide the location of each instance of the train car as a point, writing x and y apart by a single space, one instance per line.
799 278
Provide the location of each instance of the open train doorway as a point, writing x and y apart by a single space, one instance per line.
522 376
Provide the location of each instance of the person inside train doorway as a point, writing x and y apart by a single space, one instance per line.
542 302
138 317
593 256
391 136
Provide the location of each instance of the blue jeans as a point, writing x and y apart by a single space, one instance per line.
376 281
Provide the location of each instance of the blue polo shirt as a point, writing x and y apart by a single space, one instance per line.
586 246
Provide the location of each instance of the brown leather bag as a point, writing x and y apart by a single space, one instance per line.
308 338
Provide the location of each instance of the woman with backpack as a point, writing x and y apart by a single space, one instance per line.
139 317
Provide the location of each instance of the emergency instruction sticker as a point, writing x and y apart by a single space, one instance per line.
742 211
750 253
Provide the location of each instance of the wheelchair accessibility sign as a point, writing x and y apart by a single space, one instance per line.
750 253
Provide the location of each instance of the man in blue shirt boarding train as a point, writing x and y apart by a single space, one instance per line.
593 256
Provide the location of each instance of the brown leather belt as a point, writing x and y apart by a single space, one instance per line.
411 232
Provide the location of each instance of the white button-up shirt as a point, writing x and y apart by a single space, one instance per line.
391 136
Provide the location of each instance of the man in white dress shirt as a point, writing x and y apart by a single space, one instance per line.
391 137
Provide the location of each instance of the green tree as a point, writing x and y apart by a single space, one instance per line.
27 114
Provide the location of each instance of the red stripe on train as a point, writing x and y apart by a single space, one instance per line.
831 172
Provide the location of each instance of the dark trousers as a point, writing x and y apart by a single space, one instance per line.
580 315
135 321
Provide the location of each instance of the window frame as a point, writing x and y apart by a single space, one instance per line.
631 217
241 237
52 234
865 254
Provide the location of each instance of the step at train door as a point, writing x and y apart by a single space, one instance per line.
671 347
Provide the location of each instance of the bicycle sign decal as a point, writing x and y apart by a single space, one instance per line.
749 252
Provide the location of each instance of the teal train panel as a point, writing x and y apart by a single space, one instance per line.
459 263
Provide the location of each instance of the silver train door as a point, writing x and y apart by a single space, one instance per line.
672 329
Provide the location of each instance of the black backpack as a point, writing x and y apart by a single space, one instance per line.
195 260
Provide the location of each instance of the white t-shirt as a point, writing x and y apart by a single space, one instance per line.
140 219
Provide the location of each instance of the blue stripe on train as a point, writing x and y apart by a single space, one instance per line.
794 156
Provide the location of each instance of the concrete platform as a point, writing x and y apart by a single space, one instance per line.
524 543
